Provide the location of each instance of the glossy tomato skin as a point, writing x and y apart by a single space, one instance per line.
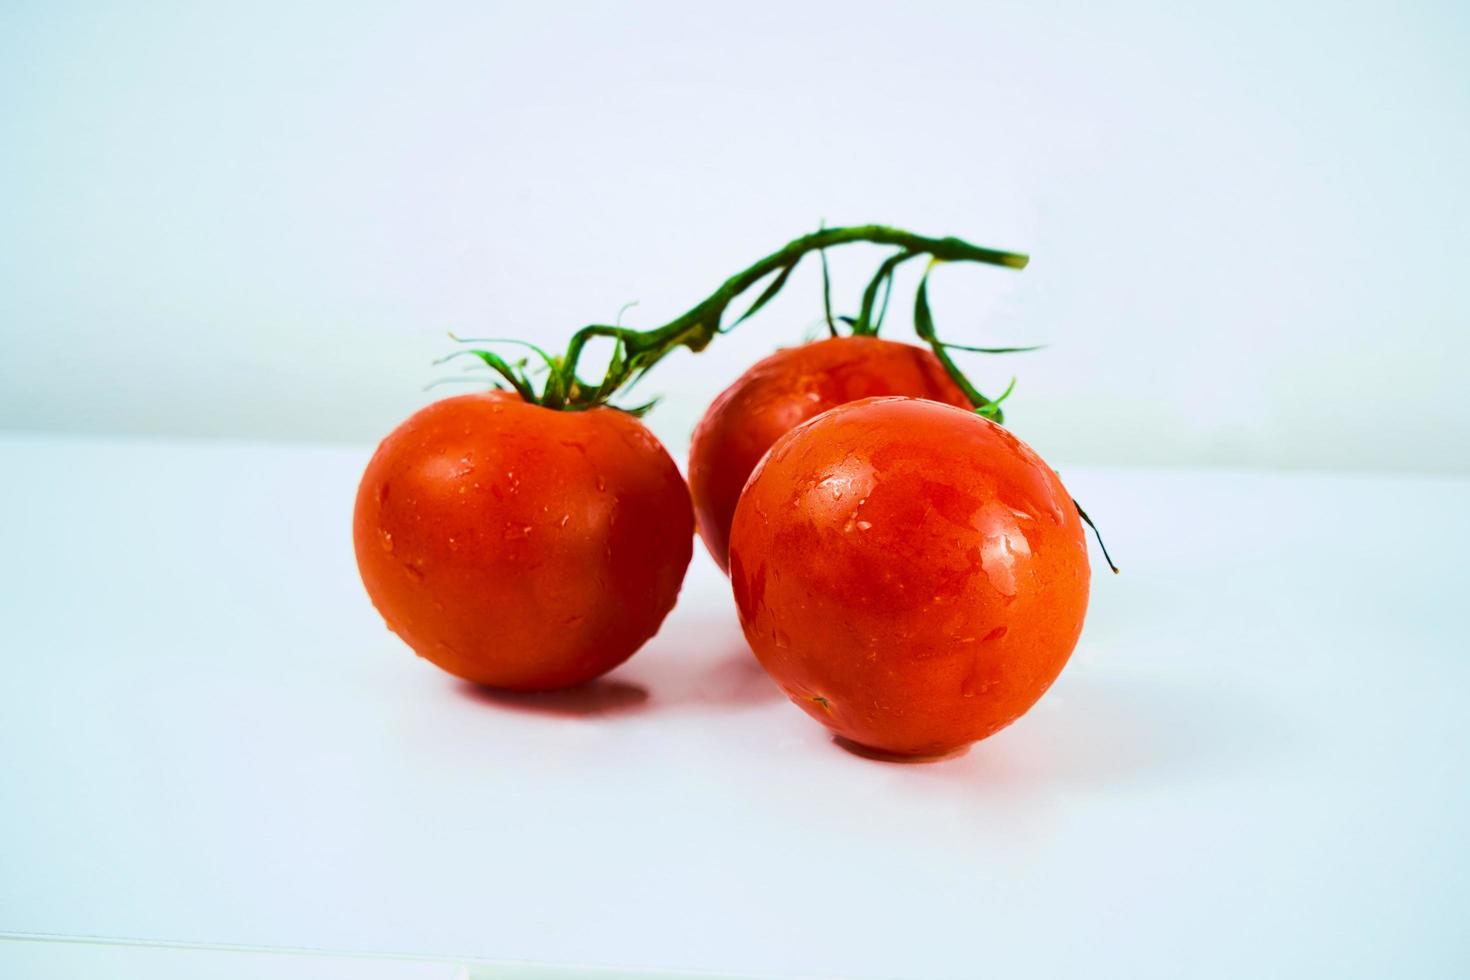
781 392
911 574
520 547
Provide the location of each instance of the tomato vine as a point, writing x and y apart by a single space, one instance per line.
635 352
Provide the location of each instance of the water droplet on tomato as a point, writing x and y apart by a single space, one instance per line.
385 538
783 640
564 519
1002 557
864 525
517 532
975 684
601 483
414 575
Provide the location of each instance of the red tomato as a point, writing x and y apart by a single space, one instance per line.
911 574
783 391
520 547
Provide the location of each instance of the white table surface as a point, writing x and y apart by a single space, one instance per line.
1255 765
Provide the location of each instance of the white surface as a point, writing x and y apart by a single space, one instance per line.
57 960
1249 220
53 958
1256 764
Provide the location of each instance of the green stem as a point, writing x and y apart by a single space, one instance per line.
867 325
697 327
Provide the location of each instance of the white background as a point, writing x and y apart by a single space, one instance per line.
1248 220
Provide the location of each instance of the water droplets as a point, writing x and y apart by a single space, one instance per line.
1002 558
833 485
601 483
413 573
972 687
517 532
385 539
979 681
465 468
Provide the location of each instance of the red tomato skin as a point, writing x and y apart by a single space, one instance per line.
520 547
911 574
781 392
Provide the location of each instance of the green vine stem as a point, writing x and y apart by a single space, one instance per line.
635 352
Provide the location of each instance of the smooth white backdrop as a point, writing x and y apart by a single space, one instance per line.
1249 222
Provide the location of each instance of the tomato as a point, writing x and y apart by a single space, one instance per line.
521 547
784 390
911 574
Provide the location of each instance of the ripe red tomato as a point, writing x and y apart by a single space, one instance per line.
783 391
911 574
521 547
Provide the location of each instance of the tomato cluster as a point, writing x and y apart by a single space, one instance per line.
910 573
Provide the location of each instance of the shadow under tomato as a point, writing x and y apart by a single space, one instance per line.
597 698
878 755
